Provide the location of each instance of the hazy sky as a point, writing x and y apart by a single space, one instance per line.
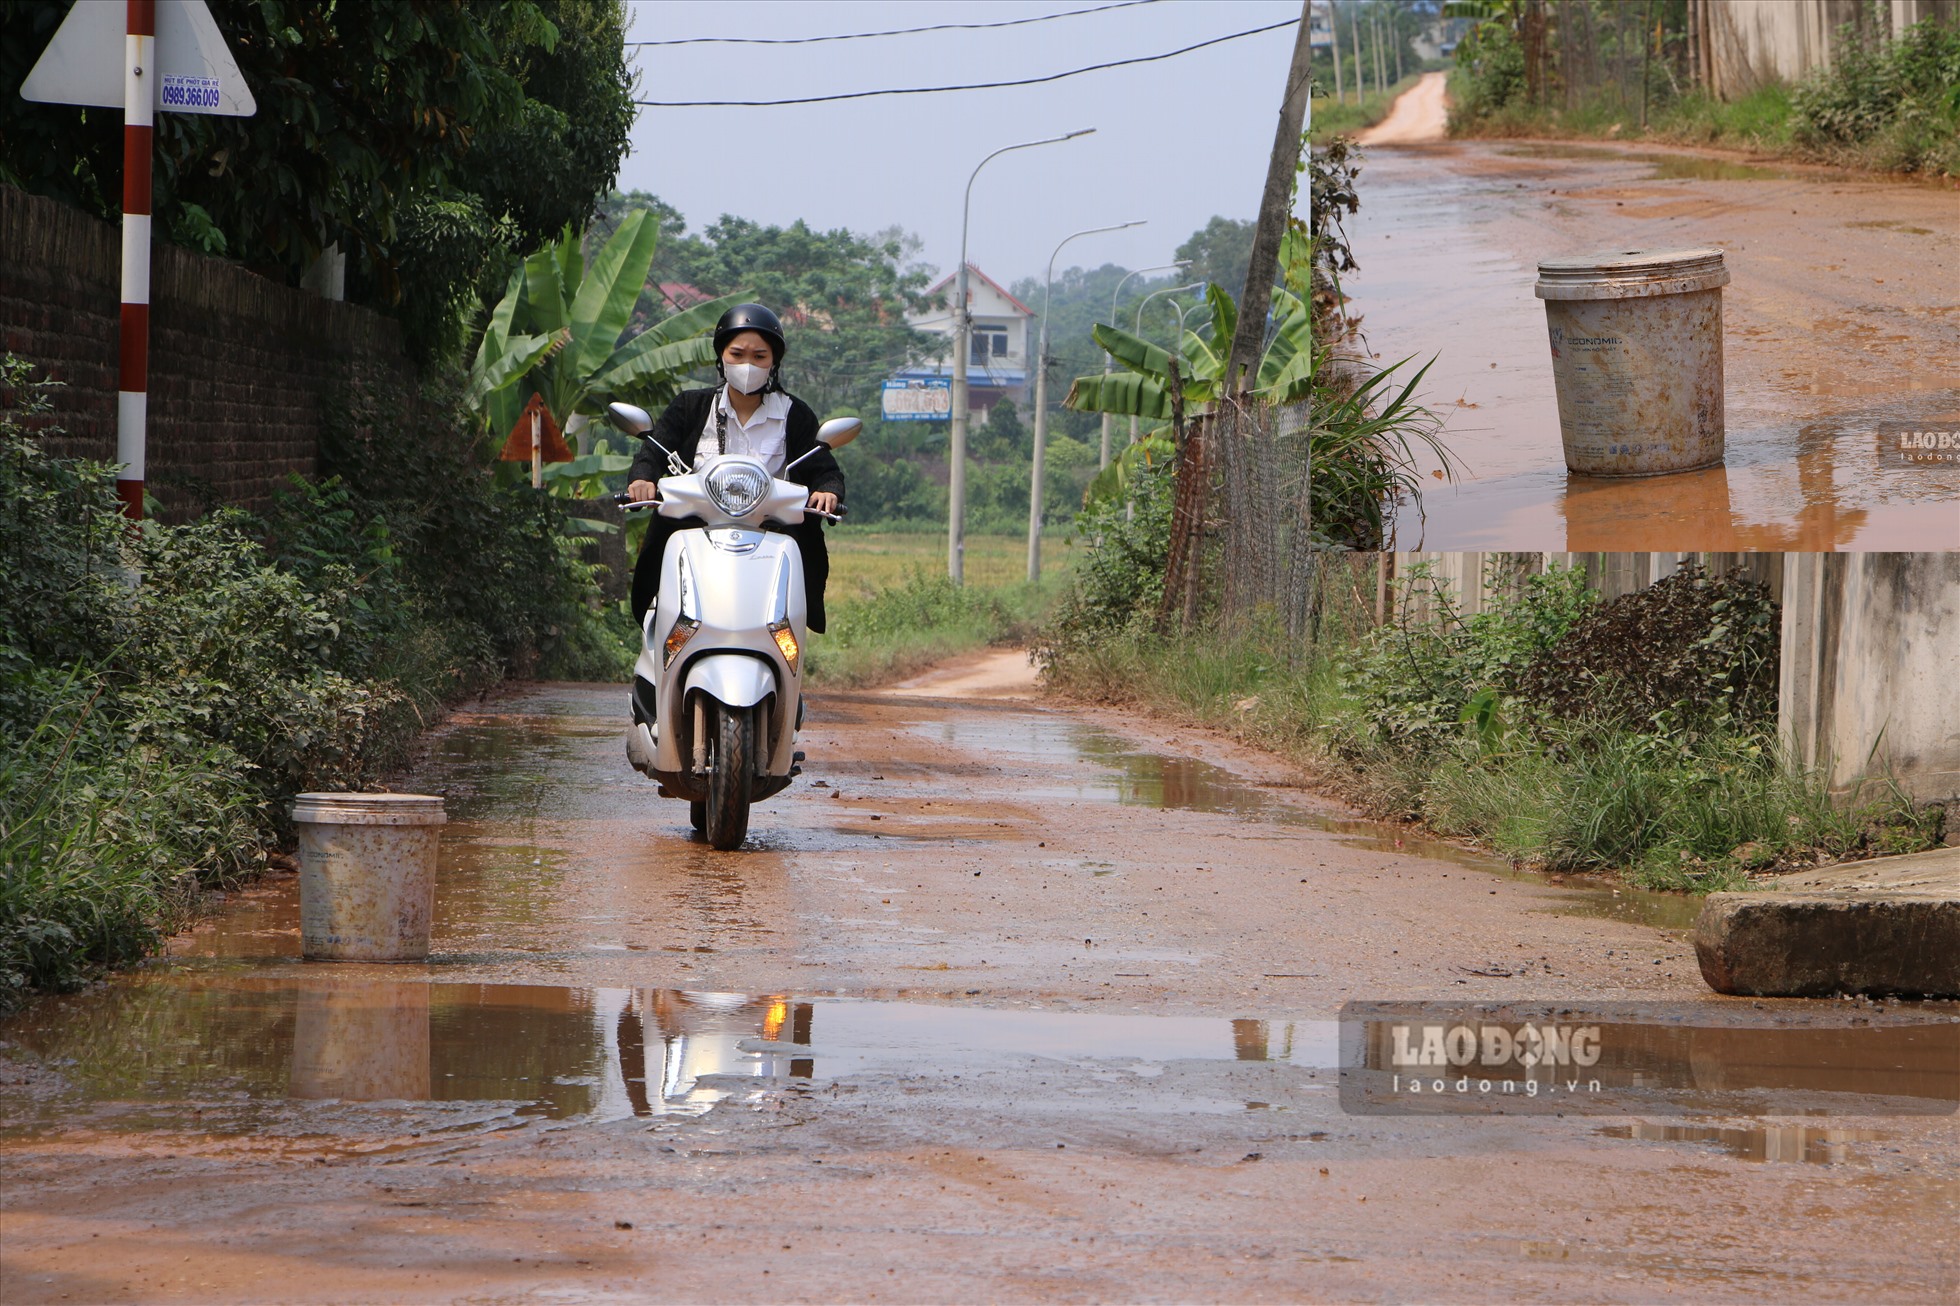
1176 142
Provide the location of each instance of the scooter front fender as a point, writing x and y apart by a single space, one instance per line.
732 679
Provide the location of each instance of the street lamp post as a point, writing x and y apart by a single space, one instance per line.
1166 290
962 321
1041 401
1109 362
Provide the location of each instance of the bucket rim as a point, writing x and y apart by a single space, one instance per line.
323 808
1631 273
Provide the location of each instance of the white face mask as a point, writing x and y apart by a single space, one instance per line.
745 377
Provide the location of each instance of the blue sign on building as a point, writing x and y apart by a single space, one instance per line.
926 399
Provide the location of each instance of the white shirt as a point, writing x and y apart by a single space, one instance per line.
763 437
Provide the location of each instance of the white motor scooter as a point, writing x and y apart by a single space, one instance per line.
718 690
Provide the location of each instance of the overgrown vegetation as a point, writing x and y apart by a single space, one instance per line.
164 691
1890 105
1635 736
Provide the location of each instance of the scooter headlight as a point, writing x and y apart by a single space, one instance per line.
737 487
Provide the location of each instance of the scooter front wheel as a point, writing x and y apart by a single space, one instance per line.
697 814
730 774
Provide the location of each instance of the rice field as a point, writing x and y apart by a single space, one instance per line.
864 563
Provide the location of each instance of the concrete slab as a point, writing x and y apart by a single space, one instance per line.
1888 927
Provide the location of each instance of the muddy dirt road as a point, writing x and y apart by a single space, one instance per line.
1843 316
1001 1003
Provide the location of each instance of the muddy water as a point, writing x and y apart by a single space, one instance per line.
896 1048
1841 317
1053 750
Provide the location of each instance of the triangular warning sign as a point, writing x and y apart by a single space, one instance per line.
517 449
194 72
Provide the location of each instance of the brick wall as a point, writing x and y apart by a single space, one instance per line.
243 371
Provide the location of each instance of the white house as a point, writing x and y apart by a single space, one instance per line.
999 349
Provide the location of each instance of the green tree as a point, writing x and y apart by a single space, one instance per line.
431 142
556 332
842 296
1003 437
1219 254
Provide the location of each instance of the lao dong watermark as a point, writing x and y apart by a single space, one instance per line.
1906 444
1485 1058
1443 1058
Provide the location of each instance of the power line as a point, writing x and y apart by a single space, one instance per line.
974 86
903 31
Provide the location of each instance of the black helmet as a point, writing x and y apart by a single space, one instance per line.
750 317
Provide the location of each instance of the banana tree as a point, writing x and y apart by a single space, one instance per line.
556 332
1142 387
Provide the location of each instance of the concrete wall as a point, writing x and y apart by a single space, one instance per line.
1475 578
1749 43
1871 669
244 371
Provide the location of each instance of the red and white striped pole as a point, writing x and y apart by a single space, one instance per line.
133 380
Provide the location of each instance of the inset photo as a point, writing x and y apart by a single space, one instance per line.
1679 275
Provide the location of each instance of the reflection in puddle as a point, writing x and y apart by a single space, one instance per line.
599 1054
1622 1058
591 1054
1775 1143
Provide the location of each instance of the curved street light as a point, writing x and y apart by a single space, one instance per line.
1041 400
1135 425
1109 361
962 320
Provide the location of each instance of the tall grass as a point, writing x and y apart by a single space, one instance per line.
903 629
1888 105
1666 806
104 845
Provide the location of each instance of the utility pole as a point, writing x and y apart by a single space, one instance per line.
1281 168
1360 59
1375 30
1334 25
1395 35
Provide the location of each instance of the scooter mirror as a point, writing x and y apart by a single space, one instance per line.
631 418
839 431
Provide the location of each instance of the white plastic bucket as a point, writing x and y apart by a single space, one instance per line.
367 875
1637 358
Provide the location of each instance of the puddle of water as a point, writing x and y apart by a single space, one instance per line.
240 1046
1771 1143
1127 776
1669 166
1645 1058
590 1054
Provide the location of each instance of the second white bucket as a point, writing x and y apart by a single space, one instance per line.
367 875
1637 358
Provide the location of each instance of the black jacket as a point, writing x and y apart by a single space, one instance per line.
680 428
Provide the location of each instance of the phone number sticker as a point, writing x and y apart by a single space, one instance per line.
193 93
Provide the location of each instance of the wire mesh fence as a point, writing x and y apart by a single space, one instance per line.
1242 545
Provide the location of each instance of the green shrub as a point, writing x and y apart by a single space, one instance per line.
1689 652
1872 83
1414 679
164 691
1118 582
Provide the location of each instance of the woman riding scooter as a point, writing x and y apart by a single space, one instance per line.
749 413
